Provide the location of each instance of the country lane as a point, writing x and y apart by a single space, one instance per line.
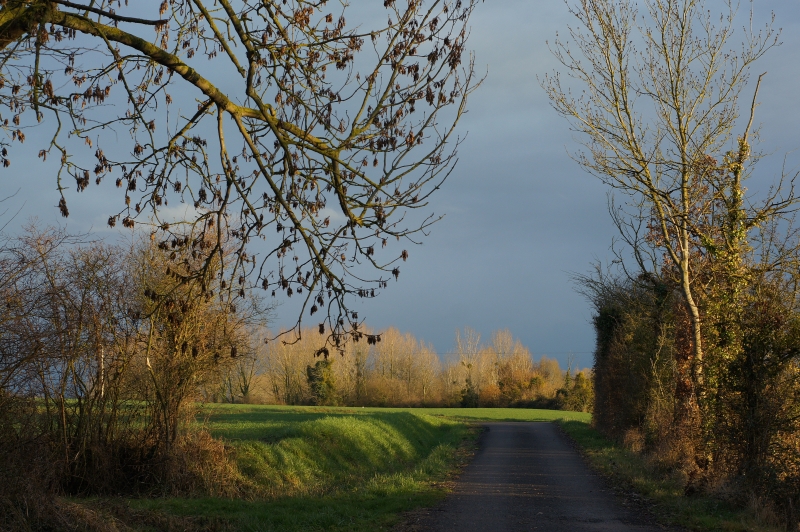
526 476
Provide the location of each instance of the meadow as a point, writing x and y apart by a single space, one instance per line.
330 468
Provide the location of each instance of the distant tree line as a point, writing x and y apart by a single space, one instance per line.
395 369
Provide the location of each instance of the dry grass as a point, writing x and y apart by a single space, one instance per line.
203 465
32 484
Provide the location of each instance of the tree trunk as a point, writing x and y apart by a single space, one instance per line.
697 335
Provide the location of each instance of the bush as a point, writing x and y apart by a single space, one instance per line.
322 383
469 395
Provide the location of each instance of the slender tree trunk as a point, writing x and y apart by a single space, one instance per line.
101 372
697 334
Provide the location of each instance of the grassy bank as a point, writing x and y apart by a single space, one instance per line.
325 469
631 473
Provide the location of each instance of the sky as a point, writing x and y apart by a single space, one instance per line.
520 215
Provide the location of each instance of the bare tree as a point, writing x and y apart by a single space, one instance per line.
187 340
285 370
429 366
283 131
468 351
659 100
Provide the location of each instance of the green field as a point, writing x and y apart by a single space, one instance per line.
248 422
329 468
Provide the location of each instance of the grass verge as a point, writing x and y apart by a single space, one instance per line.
630 472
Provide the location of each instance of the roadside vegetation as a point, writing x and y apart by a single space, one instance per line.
324 469
102 353
697 365
660 490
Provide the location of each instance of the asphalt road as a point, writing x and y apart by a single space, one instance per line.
526 476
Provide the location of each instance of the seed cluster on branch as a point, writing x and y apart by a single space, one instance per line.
282 132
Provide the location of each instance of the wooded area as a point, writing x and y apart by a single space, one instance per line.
98 376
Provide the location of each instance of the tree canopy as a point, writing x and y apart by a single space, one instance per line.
298 142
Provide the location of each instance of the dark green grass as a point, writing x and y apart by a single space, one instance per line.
631 472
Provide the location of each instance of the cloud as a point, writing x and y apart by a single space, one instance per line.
520 214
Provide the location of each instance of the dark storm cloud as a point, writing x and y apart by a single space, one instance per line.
520 214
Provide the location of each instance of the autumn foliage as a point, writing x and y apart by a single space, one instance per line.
399 370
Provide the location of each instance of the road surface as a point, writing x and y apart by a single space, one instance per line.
526 476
